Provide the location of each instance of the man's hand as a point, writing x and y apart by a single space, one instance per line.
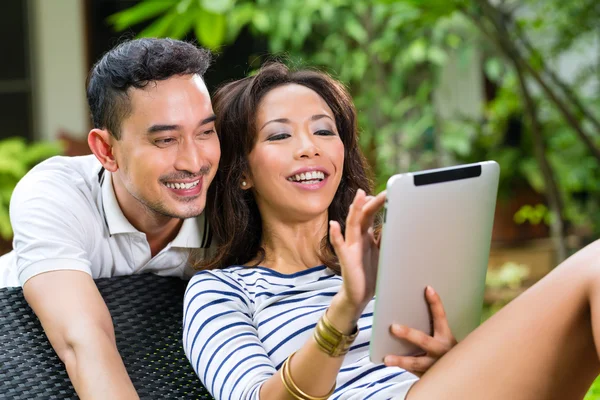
434 346
79 327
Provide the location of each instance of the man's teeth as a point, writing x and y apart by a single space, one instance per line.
308 177
182 185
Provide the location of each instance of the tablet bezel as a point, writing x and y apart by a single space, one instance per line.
424 225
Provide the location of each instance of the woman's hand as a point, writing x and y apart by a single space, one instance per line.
358 251
434 346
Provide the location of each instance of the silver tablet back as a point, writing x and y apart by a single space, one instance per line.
437 232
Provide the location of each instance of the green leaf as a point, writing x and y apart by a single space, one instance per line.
355 30
261 21
453 40
436 55
238 18
161 27
40 151
217 6
183 25
493 69
360 62
139 13
6 231
210 29
285 24
418 50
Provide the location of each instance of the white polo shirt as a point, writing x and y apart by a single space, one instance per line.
65 216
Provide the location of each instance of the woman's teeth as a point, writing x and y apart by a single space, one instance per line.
308 177
182 185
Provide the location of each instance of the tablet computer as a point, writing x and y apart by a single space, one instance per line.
437 231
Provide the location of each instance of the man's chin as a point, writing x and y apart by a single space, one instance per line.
180 212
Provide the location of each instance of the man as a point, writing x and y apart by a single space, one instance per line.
134 206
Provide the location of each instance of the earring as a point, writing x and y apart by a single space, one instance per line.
244 183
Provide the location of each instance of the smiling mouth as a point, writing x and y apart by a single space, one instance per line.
308 178
182 186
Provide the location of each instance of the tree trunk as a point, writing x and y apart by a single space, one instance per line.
552 192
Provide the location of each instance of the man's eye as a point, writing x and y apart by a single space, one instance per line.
324 132
163 142
279 136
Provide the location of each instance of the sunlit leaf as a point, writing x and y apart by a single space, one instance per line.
260 20
161 27
217 6
140 12
210 29
356 30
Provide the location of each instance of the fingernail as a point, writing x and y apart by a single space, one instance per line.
398 329
387 360
430 291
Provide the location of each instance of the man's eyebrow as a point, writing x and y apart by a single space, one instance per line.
208 120
165 128
162 128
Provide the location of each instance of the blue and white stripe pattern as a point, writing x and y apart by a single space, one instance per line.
240 324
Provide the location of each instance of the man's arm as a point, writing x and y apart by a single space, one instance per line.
79 327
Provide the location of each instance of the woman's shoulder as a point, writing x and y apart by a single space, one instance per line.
246 277
226 276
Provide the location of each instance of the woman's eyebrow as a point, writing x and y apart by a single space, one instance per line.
280 120
320 116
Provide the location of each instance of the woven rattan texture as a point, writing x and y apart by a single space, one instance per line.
147 314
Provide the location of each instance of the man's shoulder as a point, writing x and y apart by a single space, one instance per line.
61 173
65 183
61 167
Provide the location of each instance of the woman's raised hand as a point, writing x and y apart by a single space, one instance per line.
358 250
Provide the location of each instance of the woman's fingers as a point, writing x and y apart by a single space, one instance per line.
354 219
428 344
335 237
440 321
370 209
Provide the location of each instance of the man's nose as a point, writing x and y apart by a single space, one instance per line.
189 157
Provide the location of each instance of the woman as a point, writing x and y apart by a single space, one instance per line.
270 317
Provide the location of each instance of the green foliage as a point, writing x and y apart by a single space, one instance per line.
16 158
390 54
594 392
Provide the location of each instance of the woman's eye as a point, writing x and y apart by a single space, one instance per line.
208 132
279 136
324 132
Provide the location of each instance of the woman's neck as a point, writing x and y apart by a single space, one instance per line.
293 246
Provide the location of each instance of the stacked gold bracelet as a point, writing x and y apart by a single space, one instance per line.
293 389
331 340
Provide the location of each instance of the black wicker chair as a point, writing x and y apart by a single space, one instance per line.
147 315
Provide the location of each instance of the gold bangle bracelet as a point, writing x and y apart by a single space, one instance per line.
292 388
331 340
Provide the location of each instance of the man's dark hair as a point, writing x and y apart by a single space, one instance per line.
136 63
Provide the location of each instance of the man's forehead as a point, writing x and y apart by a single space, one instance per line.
175 83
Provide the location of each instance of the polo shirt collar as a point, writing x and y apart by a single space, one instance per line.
115 219
194 232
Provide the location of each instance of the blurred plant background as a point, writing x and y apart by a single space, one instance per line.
399 58
440 83
436 83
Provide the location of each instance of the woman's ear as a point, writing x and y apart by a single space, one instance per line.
245 183
101 143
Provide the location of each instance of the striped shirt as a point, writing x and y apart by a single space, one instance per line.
240 325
